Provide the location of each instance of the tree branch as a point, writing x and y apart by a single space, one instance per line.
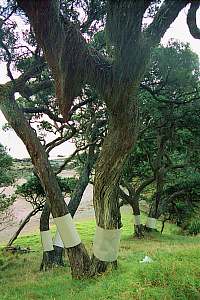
43 110
144 185
60 140
166 15
72 62
175 101
68 159
125 198
8 64
191 19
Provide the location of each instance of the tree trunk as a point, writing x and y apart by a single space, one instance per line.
39 158
116 147
138 228
159 177
52 257
23 224
133 200
49 260
48 254
82 182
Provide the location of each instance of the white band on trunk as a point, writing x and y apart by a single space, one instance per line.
46 240
151 223
57 240
106 244
137 220
67 231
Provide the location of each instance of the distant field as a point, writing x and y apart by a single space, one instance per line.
24 168
174 273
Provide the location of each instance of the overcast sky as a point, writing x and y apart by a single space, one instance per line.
178 30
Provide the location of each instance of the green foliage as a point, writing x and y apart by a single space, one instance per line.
5 167
169 131
33 191
137 164
194 226
184 205
5 202
172 74
6 178
31 187
175 65
67 185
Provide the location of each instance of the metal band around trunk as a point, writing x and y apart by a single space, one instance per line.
151 223
67 231
137 220
57 240
106 244
46 240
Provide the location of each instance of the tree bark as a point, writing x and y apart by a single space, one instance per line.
73 63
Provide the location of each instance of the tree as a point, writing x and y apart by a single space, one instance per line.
116 76
169 88
174 86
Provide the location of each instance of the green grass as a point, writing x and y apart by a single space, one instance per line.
174 273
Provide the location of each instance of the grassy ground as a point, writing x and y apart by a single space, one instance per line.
173 274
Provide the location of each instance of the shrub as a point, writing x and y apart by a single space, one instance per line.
194 226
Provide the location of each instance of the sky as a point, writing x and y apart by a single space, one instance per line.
178 30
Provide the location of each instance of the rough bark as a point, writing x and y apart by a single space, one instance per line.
73 63
133 200
154 209
165 16
138 229
79 260
39 158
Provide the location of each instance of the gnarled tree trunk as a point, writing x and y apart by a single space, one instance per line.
117 145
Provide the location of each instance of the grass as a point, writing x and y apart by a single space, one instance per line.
173 274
